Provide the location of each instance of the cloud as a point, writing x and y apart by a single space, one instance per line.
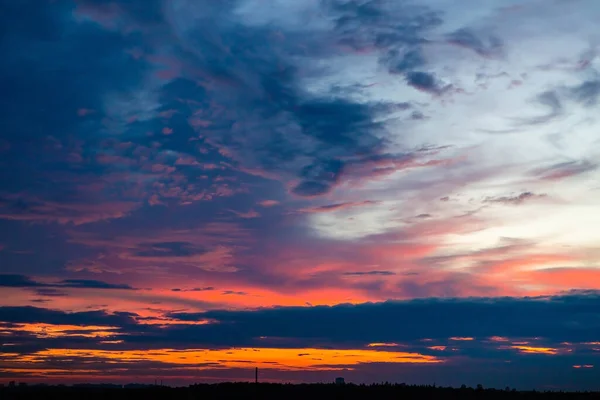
466 38
247 214
208 248
553 318
423 216
587 93
565 170
370 273
549 100
514 200
199 289
337 207
553 329
28 314
49 292
233 292
21 281
268 203
36 210
8 280
539 321
424 81
91 284
226 148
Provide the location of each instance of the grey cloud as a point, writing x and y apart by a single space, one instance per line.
514 200
552 101
370 273
587 93
198 289
565 170
233 292
463 37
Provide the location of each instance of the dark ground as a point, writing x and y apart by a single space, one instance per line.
279 392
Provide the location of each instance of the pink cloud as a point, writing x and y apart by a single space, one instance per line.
82 112
268 203
70 213
109 15
247 214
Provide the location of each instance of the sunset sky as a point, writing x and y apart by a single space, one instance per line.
375 189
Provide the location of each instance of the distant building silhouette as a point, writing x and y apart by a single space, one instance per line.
339 381
11 384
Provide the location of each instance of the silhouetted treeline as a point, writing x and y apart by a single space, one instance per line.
278 391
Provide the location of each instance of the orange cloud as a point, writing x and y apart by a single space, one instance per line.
54 331
437 348
535 350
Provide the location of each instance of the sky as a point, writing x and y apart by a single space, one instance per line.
384 190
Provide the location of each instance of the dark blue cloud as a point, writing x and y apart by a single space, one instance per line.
311 188
423 81
384 25
168 249
28 314
398 31
10 280
542 321
21 281
407 62
557 319
91 284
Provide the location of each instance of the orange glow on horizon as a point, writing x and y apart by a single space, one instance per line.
264 358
